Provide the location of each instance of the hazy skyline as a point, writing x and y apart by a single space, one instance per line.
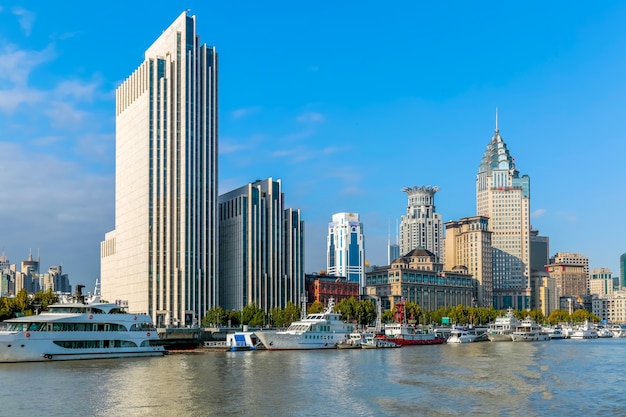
345 103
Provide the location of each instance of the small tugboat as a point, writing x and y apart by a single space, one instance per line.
373 342
353 341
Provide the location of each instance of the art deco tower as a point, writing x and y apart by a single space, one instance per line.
504 197
421 227
162 255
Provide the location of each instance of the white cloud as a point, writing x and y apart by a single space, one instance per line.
243 112
13 98
26 19
77 90
17 64
310 117
538 213
64 114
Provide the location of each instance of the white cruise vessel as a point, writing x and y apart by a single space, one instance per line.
501 330
79 329
316 331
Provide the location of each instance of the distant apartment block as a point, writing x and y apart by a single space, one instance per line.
468 245
261 247
611 308
571 279
601 282
162 256
345 254
504 197
421 226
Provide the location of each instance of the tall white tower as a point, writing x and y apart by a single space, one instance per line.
421 227
504 197
162 256
346 248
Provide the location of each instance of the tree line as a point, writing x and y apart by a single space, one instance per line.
363 312
24 304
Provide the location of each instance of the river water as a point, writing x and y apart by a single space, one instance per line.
566 377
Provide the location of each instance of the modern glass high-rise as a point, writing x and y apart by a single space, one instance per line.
622 271
346 248
504 197
162 256
421 226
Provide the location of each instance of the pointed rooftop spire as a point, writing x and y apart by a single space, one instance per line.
497 120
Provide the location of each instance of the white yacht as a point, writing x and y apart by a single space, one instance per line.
316 331
618 330
79 329
504 326
467 335
529 331
585 331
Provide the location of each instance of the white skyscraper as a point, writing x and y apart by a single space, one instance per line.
346 248
504 197
422 226
162 256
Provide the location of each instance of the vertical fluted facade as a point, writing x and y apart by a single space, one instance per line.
261 248
162 256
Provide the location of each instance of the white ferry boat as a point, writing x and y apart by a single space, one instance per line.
501 330
529 331
79 329
316 331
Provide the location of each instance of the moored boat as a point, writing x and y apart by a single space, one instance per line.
316 331
353 341
372 342
462 334
529 331
407 334
241 341
503 327
585 331
80 328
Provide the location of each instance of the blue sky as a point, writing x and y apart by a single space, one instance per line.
345 102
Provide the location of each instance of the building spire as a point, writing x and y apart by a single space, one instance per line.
497 121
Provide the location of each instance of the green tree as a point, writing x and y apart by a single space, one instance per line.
214 317
387 316
22 301
250 314
558 316
316 307
537 315
582 315
348 308
366 312
413 311
291 313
